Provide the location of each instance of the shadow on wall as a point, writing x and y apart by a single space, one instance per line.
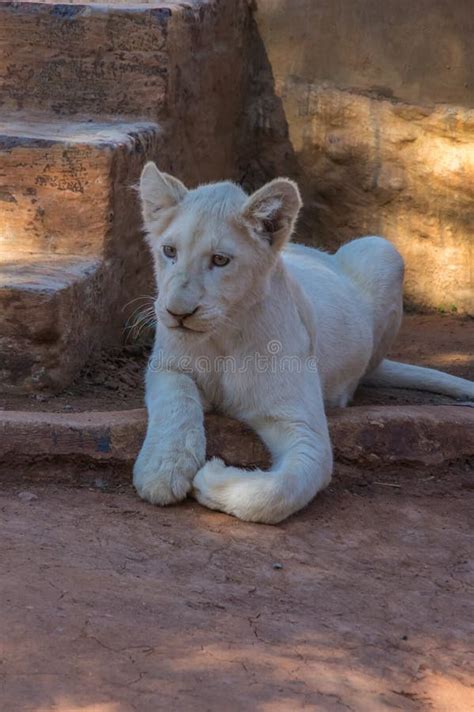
266 150
266 147
362 129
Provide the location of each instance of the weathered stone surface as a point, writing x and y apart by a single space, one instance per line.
207 73
115 436
66 168
177 62
418 52
415 435
371 435
67 189
79 58
98 436
51 319
373 166
379 135
58 182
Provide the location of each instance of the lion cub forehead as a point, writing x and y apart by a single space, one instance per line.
220 199
205 214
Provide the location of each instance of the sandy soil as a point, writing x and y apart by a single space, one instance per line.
116 381
361 602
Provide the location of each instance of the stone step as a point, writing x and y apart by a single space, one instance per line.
181 63
53 316
64 184
97 59
373 437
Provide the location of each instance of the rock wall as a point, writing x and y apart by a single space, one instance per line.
370 106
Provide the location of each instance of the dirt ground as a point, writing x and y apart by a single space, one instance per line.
361 602
115 382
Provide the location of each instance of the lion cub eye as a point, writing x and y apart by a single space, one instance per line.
220 260
169 251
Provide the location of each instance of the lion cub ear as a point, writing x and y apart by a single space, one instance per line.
272 210
158 191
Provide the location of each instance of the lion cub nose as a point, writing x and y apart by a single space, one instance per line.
183 316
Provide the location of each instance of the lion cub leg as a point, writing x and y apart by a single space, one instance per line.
175 444
302 466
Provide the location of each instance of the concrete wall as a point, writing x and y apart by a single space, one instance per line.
415 51
369 105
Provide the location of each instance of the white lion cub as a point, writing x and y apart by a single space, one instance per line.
264 331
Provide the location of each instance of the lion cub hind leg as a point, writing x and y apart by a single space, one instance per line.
376 267
302 467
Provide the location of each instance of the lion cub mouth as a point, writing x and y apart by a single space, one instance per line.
182 328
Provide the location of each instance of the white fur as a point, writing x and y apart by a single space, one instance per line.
339 311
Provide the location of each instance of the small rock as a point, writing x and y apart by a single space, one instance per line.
277 566
41 397
27 496
67 407
128 380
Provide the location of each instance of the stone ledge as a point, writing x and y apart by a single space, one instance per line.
370 435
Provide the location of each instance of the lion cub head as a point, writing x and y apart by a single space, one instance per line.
213 247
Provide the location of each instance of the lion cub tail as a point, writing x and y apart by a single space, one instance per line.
403 375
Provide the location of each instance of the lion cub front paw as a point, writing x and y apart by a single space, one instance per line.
165 480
